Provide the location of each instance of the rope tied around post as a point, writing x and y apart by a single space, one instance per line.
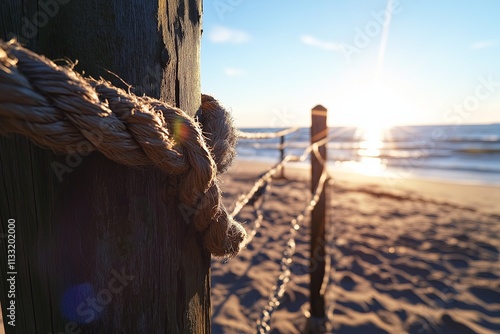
57 108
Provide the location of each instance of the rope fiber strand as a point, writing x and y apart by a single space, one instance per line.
57 108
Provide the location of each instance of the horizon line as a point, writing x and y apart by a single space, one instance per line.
354 126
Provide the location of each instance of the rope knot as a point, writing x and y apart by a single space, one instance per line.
57 108
219 132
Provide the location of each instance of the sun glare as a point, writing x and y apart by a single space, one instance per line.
368 152
371 142
376 109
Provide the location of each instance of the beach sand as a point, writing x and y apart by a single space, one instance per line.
407 256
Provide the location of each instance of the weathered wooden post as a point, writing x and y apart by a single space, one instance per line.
282 156
319 131
102 247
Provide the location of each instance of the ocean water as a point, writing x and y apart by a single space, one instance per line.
456 153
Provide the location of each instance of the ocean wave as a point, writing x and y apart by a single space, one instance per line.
479 151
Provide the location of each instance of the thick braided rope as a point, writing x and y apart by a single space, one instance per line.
59 109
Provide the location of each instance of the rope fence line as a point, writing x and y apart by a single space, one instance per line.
318 156
258 212
244 199
272 135
267 176
258 190
266 135
260 186
280 166
263 325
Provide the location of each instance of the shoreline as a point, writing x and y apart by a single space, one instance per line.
485 198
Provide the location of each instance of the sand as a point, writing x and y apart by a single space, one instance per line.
407 256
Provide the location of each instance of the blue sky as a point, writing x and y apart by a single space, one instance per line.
271 61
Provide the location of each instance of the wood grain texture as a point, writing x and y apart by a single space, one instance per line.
74 237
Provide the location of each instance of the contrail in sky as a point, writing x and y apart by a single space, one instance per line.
383 42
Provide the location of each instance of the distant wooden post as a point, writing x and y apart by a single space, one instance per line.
102 247
282 155
319 131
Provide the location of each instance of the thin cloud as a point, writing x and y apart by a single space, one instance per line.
484 44
234 72
221 34
313 41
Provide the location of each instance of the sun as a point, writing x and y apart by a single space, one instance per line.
373 108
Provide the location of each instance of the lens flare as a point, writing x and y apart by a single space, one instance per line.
181 131
74 302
